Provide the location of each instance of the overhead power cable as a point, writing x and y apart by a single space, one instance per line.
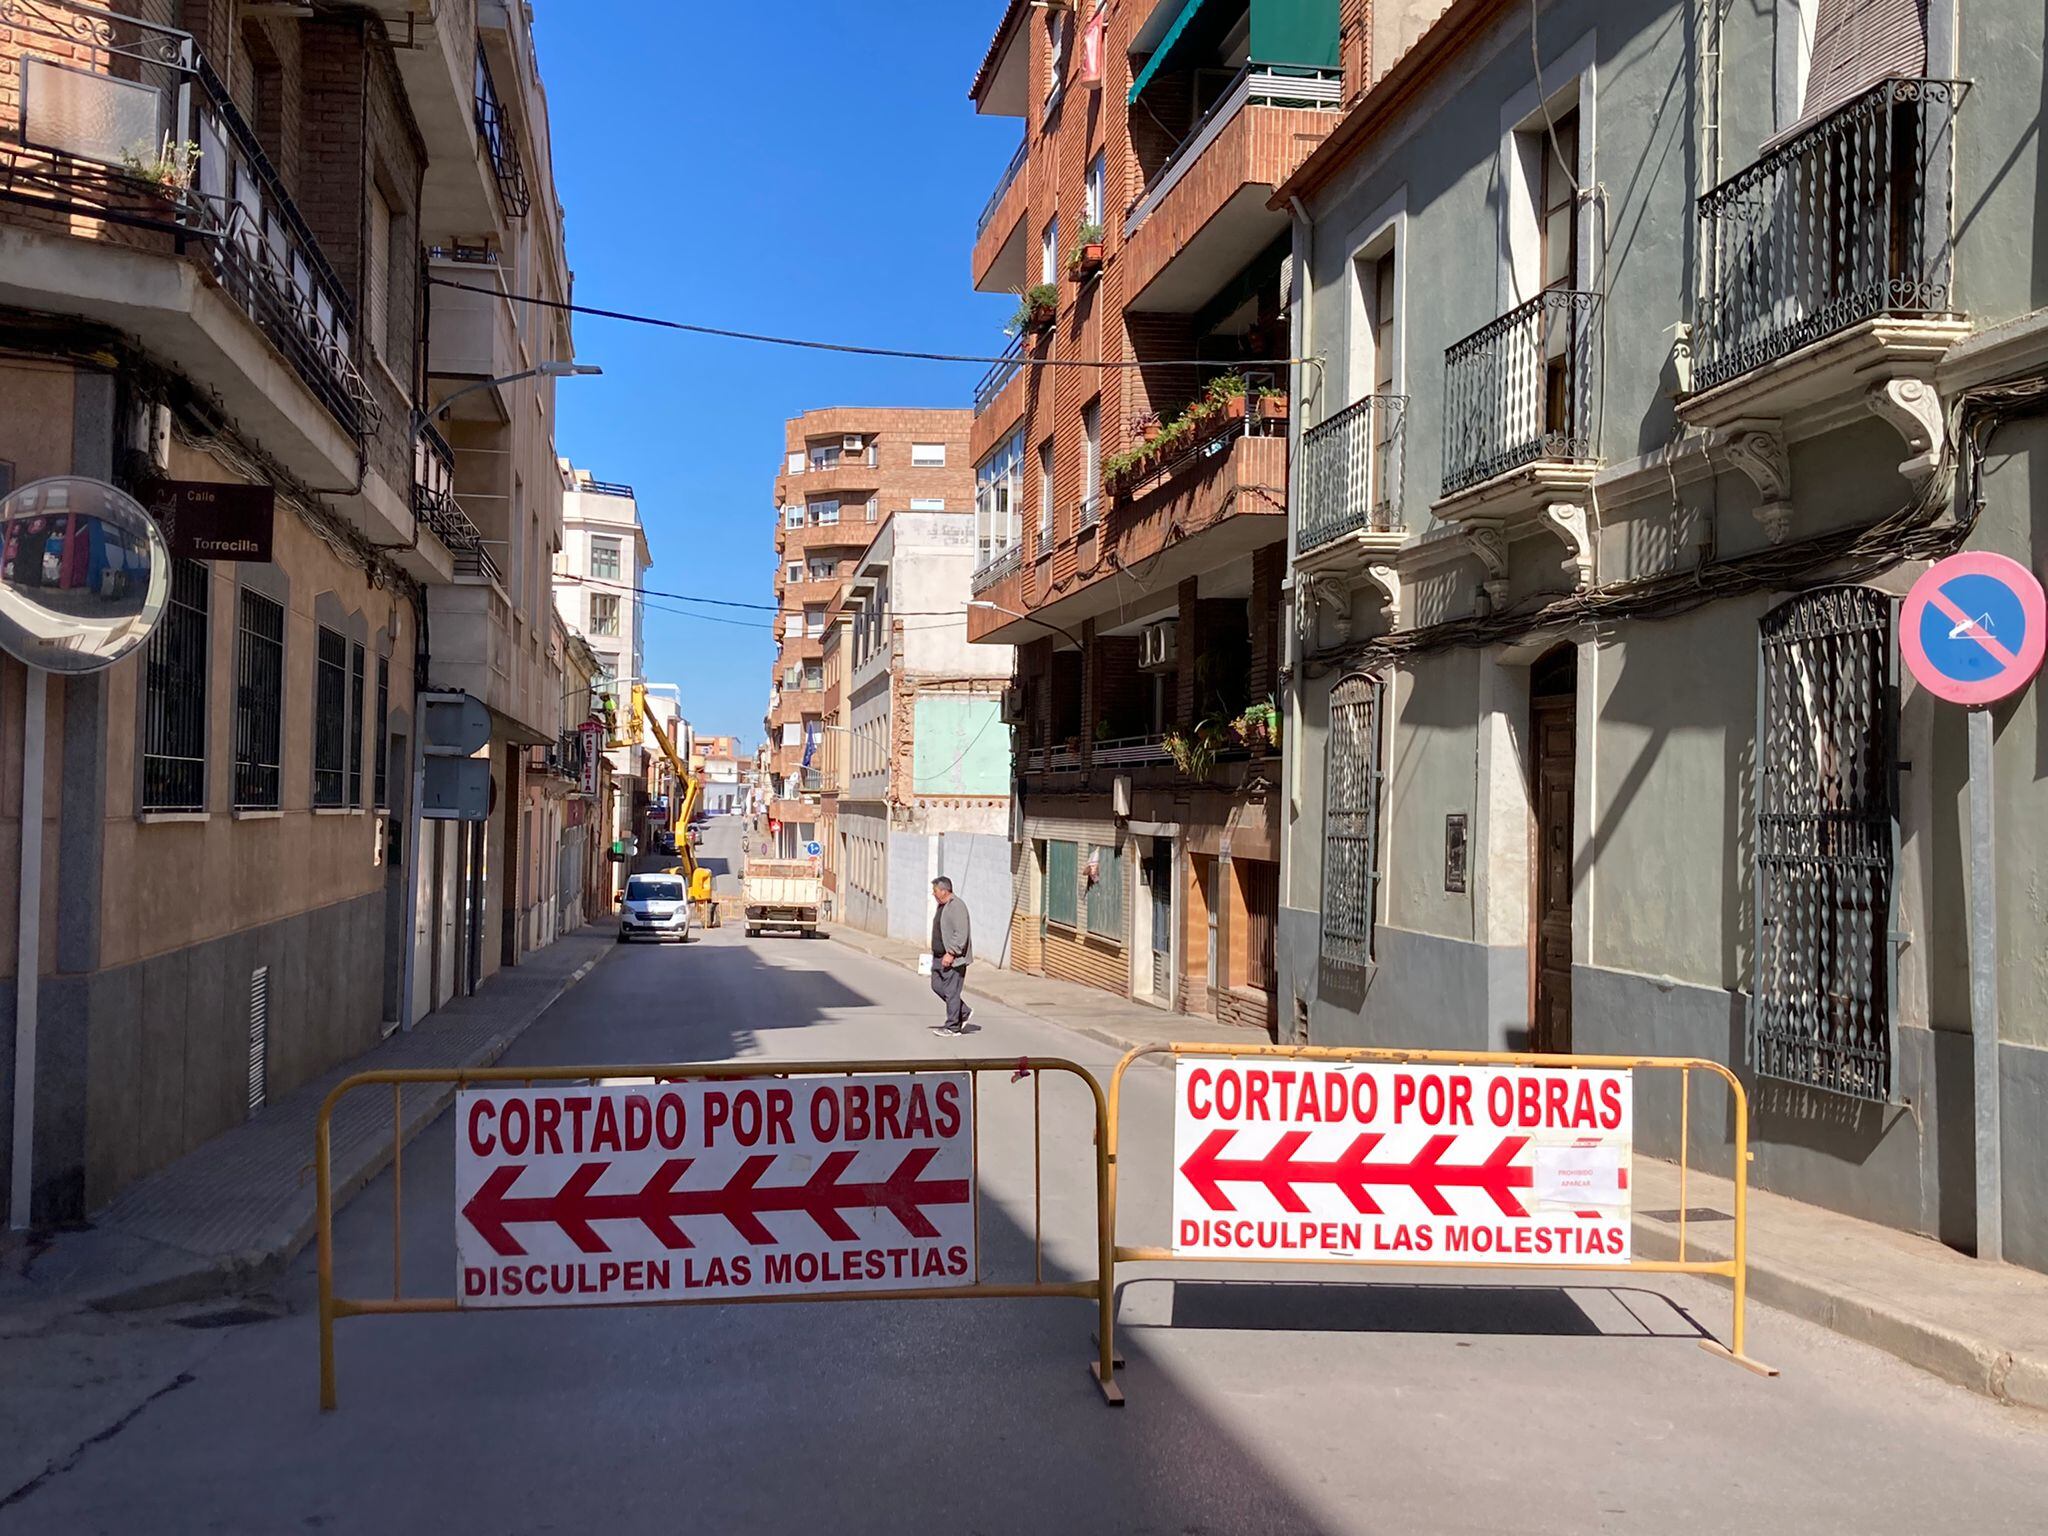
913 355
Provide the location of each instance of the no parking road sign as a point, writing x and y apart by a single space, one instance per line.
1411 1163
1974 628
572 1195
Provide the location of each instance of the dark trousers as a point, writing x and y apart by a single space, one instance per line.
951 985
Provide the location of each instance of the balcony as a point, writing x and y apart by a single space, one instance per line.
996 568
471 335
433 489
999 243
998 378
1350 484
1203 213
1830 285
1519 454
101 97
500 141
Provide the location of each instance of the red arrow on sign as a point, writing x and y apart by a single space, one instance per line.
741 1200
1427 1174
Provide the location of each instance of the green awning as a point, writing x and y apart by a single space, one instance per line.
1160 54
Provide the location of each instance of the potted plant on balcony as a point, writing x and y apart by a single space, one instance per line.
1145 427
1271 403
1225 396
1036 308
1258 728
165 172
1194 751
1087 258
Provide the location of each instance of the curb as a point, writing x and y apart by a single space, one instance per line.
256 1269
2018 1381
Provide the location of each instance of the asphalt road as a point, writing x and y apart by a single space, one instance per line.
1263 1401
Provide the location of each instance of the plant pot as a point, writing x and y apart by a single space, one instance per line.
1272 408
1041 318
1233 408
1087 261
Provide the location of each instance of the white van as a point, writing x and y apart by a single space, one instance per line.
656 907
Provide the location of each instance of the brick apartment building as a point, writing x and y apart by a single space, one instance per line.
1132 520
214 219
844 469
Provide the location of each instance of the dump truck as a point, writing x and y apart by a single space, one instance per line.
783 894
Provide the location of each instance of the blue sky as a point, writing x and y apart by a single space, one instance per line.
813 169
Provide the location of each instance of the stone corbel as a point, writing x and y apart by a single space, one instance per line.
1567 519
1757 448
1913 407
1317 592
1491 548
1388 579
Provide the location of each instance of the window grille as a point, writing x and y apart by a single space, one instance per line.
1062 883
330 720
259 704
354 725
1106 895
1827 733
1351 819
381 768
174 704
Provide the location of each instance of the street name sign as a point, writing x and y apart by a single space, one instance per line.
1974 628
1401 1163
571 1195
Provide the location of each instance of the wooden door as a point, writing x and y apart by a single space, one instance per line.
1554 721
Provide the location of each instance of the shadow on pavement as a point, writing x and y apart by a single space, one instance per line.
1375 1307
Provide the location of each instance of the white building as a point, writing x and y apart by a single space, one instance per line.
598 574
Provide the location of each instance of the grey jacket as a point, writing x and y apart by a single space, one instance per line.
951 934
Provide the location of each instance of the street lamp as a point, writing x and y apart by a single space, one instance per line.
982 602
554 368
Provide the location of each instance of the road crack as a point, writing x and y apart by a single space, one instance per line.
59 1467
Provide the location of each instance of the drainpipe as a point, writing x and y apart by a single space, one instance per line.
1300 333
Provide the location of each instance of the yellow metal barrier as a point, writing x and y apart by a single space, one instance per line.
1735 1268
1100 1289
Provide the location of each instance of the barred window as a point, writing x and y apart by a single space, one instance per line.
380 767
259 704
174 700
1351 819
354 725
330 720
1827 761
1062 883
1106 895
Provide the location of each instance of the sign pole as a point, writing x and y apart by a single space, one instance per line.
1984 990
28 940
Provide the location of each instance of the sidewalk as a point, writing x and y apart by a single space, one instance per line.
1981 1326
1114 1021
232 1213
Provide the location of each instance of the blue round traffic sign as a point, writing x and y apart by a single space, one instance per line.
1974 628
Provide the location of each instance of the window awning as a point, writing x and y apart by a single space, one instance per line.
1163 53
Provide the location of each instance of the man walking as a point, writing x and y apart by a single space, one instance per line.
952 950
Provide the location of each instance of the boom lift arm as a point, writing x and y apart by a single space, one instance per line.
690 787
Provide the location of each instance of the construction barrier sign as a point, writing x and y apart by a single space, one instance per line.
575 1195
1400 1163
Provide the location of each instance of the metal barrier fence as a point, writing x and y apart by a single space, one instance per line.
1734 1268
1099 1289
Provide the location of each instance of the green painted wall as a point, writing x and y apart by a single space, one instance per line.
963 747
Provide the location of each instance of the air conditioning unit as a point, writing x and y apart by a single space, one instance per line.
1016 706
1156 645
850 443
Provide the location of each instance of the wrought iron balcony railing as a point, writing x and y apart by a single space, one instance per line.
475 563
501 143
1520 390
1351 471
433 488
993 381
1853 218
995 198
122 120
1256 85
